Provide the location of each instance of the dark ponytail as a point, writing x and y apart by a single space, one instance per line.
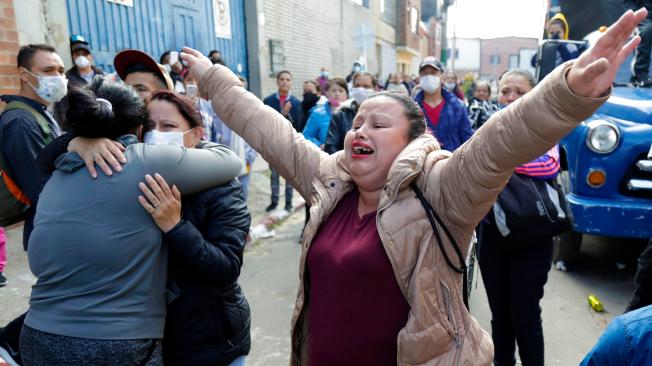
104 109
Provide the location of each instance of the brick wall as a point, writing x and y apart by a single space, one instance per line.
315 34
406 37
9 82
503 48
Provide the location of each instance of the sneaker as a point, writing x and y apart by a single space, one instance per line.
288 207
271 207
3 280
641 82
7 353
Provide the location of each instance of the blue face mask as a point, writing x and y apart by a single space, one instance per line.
325 74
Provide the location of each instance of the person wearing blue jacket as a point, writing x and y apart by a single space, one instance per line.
290 107
627 341
319 118
317 126
445 114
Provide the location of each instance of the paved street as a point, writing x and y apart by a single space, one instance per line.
270 278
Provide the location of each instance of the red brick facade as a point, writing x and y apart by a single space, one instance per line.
406 38
500 49
9 82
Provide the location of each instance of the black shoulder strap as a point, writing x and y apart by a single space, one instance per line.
434 219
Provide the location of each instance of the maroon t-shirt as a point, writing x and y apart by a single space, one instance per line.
356 306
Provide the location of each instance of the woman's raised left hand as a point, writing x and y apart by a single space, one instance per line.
196 61
595 70
163 203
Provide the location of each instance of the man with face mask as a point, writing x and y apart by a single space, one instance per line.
84 70
445 114
356 69
26 127
364 86
322 80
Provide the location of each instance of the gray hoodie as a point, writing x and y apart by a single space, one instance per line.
97 254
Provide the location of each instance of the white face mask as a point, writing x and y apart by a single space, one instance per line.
82 62
357 68
361 94
155 137
168 68
450 86
430 83
50 88
191 90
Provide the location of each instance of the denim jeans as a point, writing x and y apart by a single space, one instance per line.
514 280
244 181
240 361
642 63
276 187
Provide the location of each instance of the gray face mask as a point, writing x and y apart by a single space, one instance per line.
191 90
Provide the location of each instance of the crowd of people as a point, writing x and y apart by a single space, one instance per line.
135 194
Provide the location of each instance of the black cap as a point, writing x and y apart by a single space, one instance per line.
80 46
431 61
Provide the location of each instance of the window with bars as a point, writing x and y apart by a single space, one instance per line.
276 56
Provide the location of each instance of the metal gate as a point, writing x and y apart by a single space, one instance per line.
155 26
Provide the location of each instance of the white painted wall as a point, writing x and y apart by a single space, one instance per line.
525 57
46 22
468 54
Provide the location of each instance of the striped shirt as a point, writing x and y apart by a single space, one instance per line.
544 167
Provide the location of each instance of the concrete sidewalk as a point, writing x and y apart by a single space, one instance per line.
263 223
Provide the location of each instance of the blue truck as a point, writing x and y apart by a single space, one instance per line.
607 160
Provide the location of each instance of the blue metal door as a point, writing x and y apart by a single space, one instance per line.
188 26
155 26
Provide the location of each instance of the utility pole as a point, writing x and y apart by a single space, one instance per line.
454 48
444 41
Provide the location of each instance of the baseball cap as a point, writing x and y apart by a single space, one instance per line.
77 42
77 38
431 61
80 46
129 57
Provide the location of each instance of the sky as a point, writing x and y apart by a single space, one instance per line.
496 18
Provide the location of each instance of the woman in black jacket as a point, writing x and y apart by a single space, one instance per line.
208 323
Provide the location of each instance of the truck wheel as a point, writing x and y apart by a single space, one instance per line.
567 245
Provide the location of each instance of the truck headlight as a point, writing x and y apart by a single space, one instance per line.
603 136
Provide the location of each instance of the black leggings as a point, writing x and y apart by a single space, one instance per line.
514 280
46 349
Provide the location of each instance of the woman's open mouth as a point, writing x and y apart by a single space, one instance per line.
360 150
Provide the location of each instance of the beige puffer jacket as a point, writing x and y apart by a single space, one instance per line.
461 187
